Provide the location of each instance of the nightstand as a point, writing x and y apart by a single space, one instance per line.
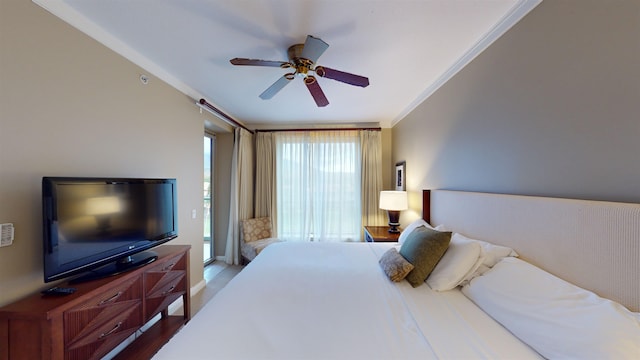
380 234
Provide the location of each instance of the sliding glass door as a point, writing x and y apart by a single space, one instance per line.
209 150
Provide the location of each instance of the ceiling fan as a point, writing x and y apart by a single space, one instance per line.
302 58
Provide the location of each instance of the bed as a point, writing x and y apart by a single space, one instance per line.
335 301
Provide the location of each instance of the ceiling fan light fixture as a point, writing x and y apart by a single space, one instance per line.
303 70
302 58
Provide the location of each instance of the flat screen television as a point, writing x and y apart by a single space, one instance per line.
103 226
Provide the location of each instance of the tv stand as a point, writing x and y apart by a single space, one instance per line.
120 266
101 314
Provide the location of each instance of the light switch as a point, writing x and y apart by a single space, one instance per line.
6 234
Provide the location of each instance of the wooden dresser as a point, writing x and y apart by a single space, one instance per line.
101 314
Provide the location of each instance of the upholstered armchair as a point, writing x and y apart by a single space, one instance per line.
255 235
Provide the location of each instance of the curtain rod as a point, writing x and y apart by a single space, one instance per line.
204 103
321 129
228 119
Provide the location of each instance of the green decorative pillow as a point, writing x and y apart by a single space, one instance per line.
423 248
394 265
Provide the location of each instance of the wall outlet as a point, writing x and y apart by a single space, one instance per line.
6 234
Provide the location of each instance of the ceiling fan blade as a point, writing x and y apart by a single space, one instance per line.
276 87
313 48
342 76
316 91
258 62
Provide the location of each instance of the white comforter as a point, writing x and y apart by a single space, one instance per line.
332 301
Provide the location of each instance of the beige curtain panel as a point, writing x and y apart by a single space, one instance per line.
242 182
265 204
371 143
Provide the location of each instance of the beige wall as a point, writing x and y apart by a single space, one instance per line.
551 108
71 107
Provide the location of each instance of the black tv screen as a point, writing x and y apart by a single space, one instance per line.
102 225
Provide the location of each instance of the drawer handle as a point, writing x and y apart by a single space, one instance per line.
103 335
117 295
168 267
168 291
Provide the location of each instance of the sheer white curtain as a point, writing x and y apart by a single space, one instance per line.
318 181
241 199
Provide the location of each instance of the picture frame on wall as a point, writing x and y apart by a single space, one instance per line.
400 180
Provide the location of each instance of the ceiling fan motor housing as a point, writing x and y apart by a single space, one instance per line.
295 52
302 65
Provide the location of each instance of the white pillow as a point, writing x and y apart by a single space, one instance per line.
489 255
476 269
554 317
493 253
405 233
459 261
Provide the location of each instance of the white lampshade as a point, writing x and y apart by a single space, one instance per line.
393 200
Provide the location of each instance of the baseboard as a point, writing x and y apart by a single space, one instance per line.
197 287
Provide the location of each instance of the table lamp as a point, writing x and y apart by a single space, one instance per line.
393 202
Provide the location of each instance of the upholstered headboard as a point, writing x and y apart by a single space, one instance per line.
593 244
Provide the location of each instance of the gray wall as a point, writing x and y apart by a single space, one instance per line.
551 108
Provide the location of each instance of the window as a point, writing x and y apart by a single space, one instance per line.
318 185
209 142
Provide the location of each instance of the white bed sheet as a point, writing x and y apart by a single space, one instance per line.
332 301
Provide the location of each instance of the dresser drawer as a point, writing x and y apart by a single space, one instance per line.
164 283
92 327
129 290
174 263
161 284
113 325
161 289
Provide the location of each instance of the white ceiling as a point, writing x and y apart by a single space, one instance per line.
406 48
